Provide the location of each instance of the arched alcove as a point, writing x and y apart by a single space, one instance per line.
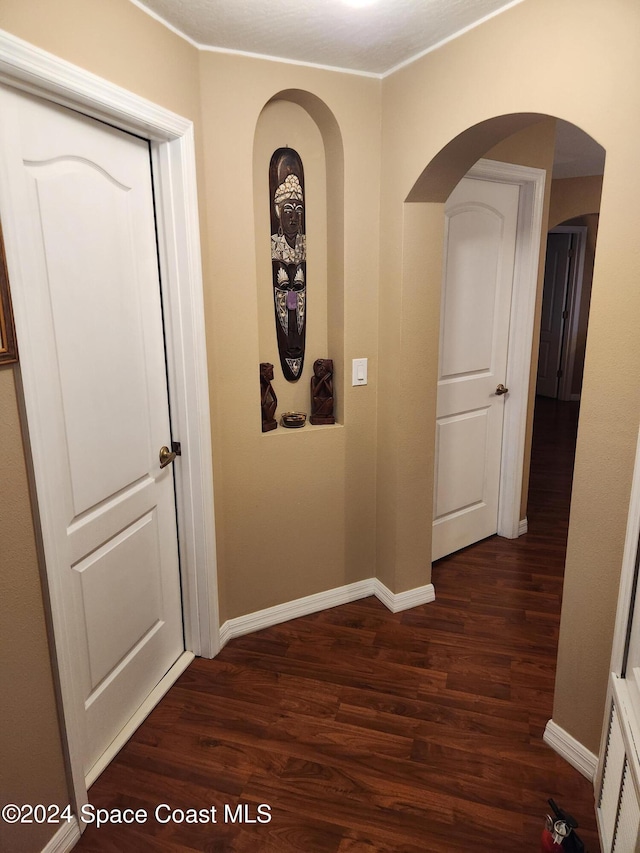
300 120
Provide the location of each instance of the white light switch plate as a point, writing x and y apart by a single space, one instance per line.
359 371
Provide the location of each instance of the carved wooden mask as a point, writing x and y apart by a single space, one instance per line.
289 258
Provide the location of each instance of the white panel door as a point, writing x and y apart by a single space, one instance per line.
479 252
556 279
87 256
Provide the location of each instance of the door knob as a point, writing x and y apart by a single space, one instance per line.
501 390
166 456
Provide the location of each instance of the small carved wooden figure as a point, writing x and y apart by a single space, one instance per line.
322 392
268 399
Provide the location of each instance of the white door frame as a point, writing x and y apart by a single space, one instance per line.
622 692
523 303
574 297
32 70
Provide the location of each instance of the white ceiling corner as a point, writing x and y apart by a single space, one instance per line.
373 40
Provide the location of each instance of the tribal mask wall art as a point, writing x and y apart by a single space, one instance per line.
289 258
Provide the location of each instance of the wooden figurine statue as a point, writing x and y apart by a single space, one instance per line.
322 392
268 399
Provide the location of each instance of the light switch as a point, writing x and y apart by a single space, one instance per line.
359 371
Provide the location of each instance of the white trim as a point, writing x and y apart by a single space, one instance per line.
65 838
160 690
571 750
24 66
156 17
264 56
617 691
294 609
299 62
523 527
179 248
523 302
627 574
602 753
395 602
28 68
623 692
398 601
378 75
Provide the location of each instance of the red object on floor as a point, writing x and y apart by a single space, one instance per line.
548 845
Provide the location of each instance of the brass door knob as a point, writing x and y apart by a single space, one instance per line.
166 456
501 390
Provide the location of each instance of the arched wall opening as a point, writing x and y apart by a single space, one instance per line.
527 138
435 184
422 242
406 528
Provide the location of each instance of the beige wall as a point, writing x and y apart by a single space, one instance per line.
31 762
571 197
496 70
533 146
295 509
117 41
301 512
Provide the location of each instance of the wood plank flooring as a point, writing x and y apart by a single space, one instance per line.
369 732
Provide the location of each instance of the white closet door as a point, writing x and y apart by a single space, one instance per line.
92 339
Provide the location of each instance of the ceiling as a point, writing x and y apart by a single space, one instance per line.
370 39
576 153
373 39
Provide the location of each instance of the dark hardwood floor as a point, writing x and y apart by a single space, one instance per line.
368 732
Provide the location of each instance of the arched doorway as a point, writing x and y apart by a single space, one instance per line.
428 196
525 139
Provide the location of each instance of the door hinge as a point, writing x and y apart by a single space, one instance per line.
559 374
176 447
565 314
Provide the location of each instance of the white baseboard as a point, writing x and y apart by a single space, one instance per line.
395 602
65 838
523 527
571 750
294 609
